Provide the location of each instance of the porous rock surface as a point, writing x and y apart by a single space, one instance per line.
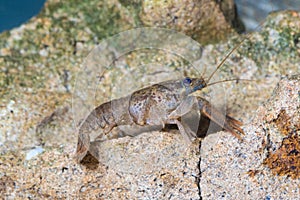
232 170
39 62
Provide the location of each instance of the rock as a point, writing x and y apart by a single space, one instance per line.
34 152
266 164
159 165
205 21
163 167
39 64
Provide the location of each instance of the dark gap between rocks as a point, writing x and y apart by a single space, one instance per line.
199 175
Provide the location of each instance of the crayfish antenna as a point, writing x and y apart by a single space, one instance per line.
249 35
228 80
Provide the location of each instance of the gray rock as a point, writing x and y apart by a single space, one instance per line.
233 170
36 101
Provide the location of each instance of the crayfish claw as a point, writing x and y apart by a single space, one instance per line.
226 122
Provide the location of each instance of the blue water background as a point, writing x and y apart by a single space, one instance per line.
13 13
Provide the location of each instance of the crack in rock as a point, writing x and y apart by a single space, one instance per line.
199 175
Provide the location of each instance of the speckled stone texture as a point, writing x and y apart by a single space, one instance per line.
39 62
154 165
203 20
158 165
234 170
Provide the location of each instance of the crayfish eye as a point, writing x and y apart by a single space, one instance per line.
187 81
